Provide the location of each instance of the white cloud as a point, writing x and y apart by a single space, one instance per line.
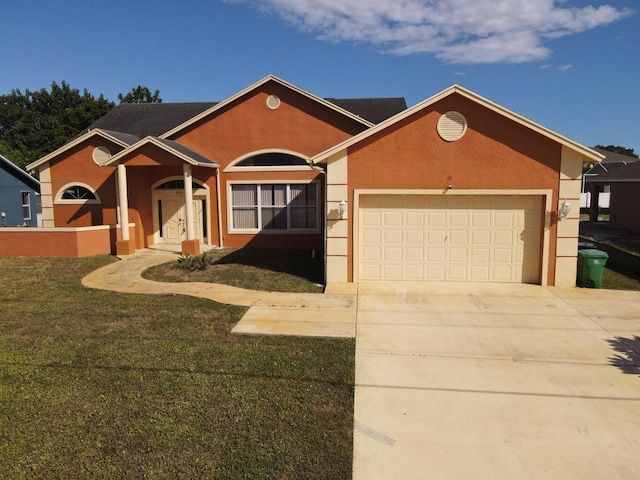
455 31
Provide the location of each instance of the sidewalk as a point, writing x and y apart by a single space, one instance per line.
271 313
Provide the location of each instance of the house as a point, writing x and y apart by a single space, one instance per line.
454 188
19 196
618 178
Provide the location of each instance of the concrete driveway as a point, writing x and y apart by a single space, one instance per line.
475 381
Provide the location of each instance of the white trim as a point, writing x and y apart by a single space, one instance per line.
154 141
28 204
253 87
73 143
232 167
252 231
589 153
547 195
62 229
59 200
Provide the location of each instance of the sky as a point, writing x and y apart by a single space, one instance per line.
570 65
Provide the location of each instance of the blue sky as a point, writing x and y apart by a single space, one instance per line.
571 65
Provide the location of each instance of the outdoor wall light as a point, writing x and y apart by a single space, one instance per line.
565 208
343 210
4 218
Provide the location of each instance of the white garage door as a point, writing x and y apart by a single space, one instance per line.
447 237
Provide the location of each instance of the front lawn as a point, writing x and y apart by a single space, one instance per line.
95 384
268 269
614 278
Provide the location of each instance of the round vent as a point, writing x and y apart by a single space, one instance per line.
452 126
100 155
273 102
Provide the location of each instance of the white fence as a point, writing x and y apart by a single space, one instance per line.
603 200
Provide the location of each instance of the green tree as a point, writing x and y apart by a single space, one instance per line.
140 94
35 123
629 152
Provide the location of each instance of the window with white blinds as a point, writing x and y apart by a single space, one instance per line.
277 206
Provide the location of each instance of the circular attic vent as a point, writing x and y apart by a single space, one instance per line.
100 155
452 126
273 102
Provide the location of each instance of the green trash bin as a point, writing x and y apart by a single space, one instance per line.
591 264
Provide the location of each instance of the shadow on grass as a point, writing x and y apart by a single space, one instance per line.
628 359
300 263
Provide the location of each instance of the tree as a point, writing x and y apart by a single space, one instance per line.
629 152
35 123
140 94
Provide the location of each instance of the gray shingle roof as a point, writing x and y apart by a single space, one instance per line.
615 157
614 172
375 110
144 119
197 157
154 119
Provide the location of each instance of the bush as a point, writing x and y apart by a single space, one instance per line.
193 263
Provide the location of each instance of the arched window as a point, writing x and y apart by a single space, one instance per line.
77 193
269 161
177 185
273 159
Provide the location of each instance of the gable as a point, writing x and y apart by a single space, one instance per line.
586 153
298 124
494 152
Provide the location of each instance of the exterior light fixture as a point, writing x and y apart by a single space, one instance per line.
4 218
343 210
564 210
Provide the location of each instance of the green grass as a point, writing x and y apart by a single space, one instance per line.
614 278
257 269
95 384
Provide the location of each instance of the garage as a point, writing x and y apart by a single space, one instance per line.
449 237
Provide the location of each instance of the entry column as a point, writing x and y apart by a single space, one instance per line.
124 246
191 245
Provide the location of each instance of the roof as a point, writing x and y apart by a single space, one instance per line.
128 123
613 172
258 84
16 171
144 119
590 154
375 110
155 119
119 138
177 149
615 157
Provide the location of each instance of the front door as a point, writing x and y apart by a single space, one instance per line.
172 217
174 229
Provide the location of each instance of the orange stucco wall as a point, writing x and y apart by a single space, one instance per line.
495 153
36 242
77 166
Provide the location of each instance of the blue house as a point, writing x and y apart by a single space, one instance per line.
19 197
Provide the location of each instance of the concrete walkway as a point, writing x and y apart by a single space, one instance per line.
275 313
463 380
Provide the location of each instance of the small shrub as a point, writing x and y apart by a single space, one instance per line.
193 263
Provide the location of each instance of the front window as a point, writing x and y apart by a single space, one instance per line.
274 206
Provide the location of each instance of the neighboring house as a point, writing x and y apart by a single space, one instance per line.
19 196
455 188
618 178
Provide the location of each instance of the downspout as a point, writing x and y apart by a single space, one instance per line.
324 227
218 201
